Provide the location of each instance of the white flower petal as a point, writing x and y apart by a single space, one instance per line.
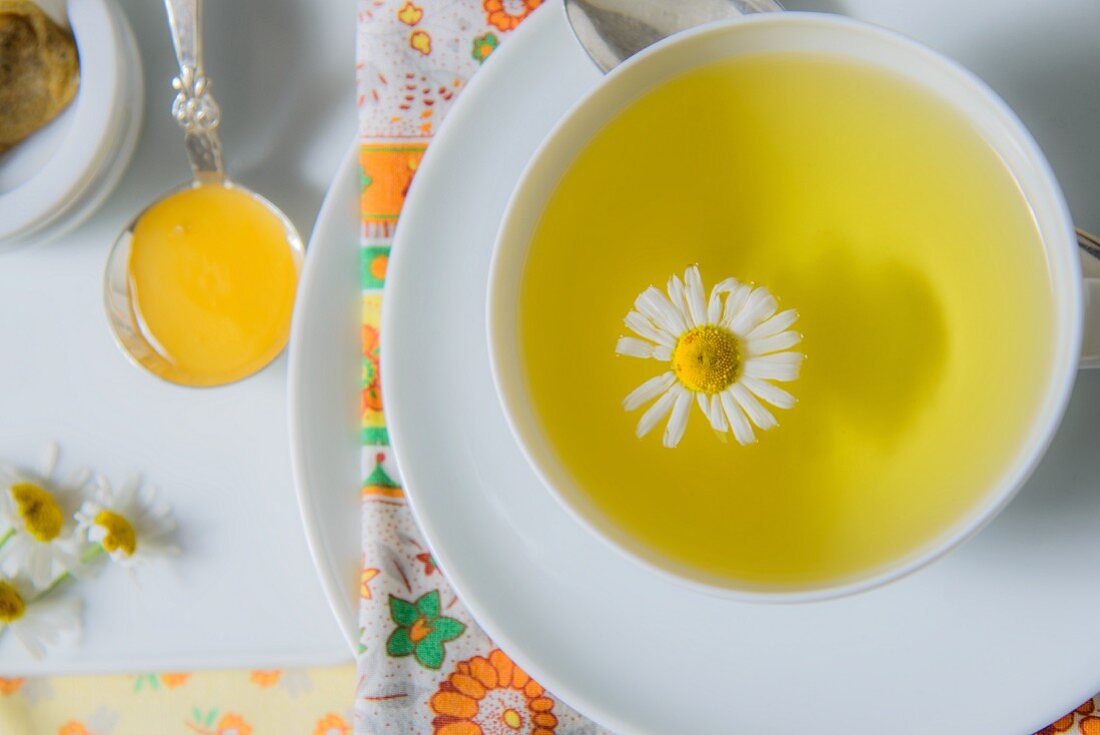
704 403
127 494
760 416
151 527
760 305
28 639
633 347
49 460
774 325
773 394
643 327
782 366
79 478
739 424
677 422
775 343
695 296
662 353
648 390
735 302
655 413
655 305
675 289
716 415
45 621
40 565
714 306
152 548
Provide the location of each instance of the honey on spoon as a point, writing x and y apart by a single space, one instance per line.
200 286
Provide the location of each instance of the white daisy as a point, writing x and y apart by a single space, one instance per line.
723 353
36 521
37 622
130 524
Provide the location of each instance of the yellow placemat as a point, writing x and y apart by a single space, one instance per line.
286 702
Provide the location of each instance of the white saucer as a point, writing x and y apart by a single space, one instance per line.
996 638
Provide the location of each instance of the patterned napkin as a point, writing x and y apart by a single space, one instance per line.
424 665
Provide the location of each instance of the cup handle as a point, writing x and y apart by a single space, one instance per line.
1090 344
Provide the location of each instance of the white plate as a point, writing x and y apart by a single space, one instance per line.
999 637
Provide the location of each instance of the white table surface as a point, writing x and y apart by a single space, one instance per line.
245 592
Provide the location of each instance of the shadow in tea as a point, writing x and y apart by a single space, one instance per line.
886 323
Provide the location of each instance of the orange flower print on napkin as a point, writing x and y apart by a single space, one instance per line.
153 682
101 722
421 41
491 696
1087 725
332 724
208 723
507 14
365 578
233 724
9 687
265 679
410 14
171 681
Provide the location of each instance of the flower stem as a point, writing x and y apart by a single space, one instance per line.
7 535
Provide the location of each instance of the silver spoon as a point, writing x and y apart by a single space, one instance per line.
196 111
611 31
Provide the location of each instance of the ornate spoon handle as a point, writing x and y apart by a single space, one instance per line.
1090 243
194 107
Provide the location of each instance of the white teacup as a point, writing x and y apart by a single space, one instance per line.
836 37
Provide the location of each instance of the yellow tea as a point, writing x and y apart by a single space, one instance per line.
876 211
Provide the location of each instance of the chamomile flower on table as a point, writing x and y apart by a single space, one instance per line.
37 621
725 353
131 524
37 532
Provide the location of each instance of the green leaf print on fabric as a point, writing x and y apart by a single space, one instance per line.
403 612
421 630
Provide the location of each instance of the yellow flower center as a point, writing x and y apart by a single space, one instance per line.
12 605
39 510
120 534
511 718
707 359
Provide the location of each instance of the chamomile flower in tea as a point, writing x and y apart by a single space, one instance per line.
722 352
924 309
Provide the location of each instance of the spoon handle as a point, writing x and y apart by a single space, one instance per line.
1089 243
194 107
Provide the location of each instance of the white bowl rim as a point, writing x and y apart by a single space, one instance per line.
1061 255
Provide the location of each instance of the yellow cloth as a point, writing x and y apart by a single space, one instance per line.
290 702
